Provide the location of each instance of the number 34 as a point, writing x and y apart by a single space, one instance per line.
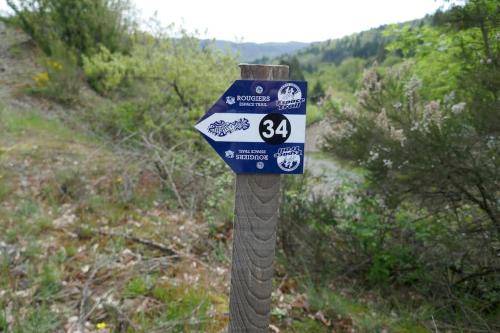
270 131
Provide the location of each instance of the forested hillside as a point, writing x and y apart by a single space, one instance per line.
115 216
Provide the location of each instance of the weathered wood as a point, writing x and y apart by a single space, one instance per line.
254 241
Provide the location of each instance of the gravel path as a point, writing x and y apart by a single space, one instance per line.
329 173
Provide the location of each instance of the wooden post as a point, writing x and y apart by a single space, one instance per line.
254 240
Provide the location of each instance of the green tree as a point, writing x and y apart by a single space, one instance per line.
317 92
295 69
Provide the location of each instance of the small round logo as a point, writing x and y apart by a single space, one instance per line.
259 90
289 96
260 165
288 159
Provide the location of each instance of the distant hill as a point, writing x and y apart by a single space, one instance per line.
369 45
251 51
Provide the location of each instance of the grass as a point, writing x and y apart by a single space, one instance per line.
364 317
23 122
57 186
182 308
39 320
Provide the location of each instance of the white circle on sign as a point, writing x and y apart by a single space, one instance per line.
259 90
289 162
260 165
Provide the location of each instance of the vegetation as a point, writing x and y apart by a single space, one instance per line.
117 217
80 25
424 131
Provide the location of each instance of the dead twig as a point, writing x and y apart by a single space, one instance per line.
170 251
142 241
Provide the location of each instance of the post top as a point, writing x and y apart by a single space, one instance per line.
261 65
264 72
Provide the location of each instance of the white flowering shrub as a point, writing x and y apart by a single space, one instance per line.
413 148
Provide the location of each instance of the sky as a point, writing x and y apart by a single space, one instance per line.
281 21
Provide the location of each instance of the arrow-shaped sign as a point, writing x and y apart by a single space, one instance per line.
259 126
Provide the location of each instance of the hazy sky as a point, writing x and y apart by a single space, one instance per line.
282 21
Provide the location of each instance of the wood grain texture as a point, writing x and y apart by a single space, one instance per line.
254 240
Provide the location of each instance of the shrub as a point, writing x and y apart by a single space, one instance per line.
82 25
348 233
106 71
353 235
163 86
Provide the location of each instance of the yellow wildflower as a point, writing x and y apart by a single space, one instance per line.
54 64
101 326
41 79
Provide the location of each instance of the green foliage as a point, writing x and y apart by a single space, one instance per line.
368 45
314 114
81 25
426 131
187 307
106 71
317 92
50 283
360 316
136 287
3 321
39 320
295 70
26 209
357 227
219 206
344 77
164 86
433 52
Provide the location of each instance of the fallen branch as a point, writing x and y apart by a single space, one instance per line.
142 241
171 252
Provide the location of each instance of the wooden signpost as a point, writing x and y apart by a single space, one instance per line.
258 128
254 241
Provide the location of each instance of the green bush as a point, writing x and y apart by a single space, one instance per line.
106 71
354 235
349 233
162 87
82 25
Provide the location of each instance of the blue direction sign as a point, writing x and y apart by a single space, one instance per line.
259 126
